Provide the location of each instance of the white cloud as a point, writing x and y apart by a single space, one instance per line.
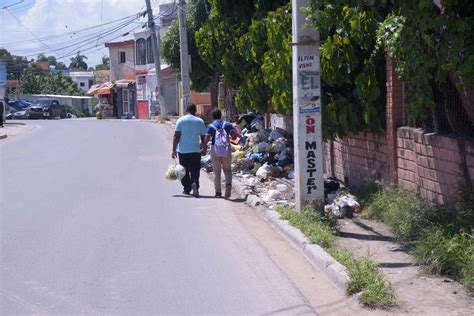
46 18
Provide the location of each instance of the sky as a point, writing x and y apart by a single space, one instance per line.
56 27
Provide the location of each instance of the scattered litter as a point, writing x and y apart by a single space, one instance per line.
344 205
281 187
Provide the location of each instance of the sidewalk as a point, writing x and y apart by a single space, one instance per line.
416 293
13 129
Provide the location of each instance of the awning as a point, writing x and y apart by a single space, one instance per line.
124 83
105 88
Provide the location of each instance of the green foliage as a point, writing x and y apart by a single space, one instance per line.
352 69
451 254
364 274
237 39
15 64
277 64
37 81
365 278
318 228
105 65
368 191
78 62
75 111
406 214
429 46
201 74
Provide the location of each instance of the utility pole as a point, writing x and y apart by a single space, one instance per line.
309 182
183 40
155 40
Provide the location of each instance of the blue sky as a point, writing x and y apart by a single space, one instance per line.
62 27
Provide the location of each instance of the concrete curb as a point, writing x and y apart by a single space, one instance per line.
315 255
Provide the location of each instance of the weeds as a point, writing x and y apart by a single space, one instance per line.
450 254
365 276
406 215
441 237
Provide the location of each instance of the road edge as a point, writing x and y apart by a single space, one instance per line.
314 254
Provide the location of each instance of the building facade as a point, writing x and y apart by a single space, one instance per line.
83 79
122 59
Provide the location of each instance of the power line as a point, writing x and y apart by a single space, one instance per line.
19 22
101 11
67 33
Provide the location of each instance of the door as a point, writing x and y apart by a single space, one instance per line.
126 101
55 111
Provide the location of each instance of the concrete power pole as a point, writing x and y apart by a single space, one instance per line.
183 40
155 40
309 182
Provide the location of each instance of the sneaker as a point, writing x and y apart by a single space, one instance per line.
218 195
195 190
228 190
187 192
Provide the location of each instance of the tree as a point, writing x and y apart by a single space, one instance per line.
78 63
52 61
37 81
41 58
61 66
15 64
234 40
105 65
202 75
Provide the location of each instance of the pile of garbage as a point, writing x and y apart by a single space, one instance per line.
260 152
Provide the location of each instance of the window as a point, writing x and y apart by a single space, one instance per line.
82 84
149 49
122 57
141 51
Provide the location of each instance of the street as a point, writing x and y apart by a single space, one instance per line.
89 225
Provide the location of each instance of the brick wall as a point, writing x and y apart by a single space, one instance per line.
433 165
429 164
357 159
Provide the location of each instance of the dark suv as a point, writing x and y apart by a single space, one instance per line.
46 108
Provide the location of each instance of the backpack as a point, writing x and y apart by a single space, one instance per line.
221 141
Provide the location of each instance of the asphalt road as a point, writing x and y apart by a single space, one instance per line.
89 225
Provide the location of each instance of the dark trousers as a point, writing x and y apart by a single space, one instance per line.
192 163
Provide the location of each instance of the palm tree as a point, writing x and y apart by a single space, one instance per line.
77 62
105 60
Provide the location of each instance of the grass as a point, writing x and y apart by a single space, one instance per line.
440 237
365 276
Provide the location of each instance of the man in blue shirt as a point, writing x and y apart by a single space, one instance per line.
187 141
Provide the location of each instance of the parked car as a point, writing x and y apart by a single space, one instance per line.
20 115
47 108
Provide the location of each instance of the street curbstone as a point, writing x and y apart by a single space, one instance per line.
315 254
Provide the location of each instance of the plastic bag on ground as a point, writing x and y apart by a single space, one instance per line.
264 171
272 195
275 134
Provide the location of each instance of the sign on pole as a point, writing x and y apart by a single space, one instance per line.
309 182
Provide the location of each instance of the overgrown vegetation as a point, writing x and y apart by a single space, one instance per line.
75 111
440 238
365 276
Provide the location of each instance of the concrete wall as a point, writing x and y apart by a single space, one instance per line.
121 70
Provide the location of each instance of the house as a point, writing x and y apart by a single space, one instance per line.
83 79
122 59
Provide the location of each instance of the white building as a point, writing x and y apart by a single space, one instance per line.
83 79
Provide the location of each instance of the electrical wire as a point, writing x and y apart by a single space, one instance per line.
101 11
19 22
67 33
